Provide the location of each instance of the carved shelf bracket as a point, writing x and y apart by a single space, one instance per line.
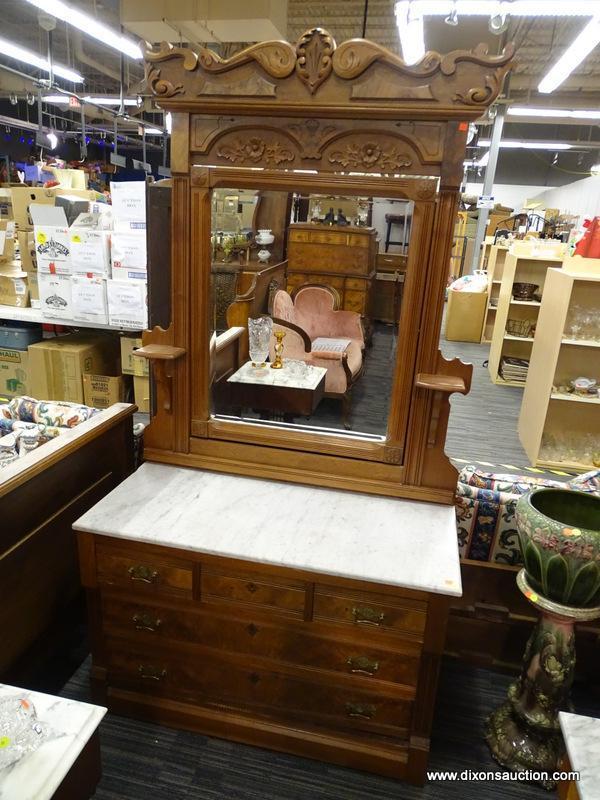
162 357
441 386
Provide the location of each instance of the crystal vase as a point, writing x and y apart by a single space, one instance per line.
259 338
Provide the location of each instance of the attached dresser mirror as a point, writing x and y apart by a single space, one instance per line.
314 197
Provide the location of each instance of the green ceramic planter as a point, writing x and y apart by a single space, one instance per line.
559 531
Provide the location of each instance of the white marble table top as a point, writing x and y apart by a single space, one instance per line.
286 376
582 738
347 534
39 774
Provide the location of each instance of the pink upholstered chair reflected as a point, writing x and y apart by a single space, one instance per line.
311 315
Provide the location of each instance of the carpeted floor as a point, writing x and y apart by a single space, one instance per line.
142 761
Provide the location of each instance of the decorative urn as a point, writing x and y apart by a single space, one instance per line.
265 237
559 531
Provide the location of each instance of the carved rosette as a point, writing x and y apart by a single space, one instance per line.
370 156
255 150
314 57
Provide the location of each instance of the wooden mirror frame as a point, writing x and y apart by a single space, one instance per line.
369 125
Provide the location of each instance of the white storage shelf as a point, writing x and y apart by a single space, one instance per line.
13 313
548 415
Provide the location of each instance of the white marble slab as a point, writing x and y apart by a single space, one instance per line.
582 738
38 775
302 377
351 535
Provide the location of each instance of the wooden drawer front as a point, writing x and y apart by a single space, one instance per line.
356 240
283 596
154 575
326 237
244 684
355 301
357 284
391 262
299 236
370 611
293 645
325 280
294 281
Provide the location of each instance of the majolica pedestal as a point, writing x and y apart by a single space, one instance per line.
524 733
560 541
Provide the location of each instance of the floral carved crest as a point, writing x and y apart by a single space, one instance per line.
254 150
370 155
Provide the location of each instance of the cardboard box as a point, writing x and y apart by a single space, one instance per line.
129 250
14 290
23 197
127 308
26 241
464 316
130 363
7 240
52 240
88 298
128 274
90 245
141 393
14 373
34 289
129 205
55 296
57 366
101 391
72 205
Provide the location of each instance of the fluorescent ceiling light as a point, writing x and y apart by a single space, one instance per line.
518 144
110 101
514 8
33 59
572 57
53 139
169 121
153 131
89 25
552 113
410 30
56 99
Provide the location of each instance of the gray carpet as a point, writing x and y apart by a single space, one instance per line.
142 761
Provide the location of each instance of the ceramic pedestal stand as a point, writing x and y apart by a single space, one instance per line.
524 734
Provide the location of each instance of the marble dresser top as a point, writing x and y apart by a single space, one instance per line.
582 738
347 534
39 774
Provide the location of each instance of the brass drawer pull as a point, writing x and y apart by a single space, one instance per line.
140 572
152 673
361 710
367 615
144 622
362 665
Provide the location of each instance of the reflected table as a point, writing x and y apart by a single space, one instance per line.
292 391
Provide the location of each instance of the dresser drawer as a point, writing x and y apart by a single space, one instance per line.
253 589
153 574
243 684
328 237
370 611
292 644
355 301
299 236
357 284
357 240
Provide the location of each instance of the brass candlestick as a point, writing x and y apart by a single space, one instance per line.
278 363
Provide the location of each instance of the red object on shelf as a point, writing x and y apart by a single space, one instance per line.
589 245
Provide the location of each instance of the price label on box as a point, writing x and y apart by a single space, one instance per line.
485 201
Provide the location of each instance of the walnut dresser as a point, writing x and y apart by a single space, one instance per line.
340 256
299 619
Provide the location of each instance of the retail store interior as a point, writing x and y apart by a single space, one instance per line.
299 399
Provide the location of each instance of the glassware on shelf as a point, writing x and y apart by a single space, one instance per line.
259 339
570 448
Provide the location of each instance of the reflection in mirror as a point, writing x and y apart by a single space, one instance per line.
307 293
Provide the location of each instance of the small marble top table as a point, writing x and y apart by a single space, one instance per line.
67 766
582 739
295 389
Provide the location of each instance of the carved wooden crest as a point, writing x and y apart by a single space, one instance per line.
356 74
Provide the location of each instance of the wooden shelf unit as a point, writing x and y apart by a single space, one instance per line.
555 361
520 265
495 268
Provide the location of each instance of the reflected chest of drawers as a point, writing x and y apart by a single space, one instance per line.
282 656
342 257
